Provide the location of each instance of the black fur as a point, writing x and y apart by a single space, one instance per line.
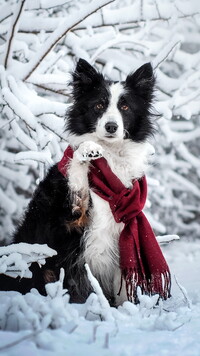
45 222
88 88
49 216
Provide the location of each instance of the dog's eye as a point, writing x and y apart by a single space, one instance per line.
99 106
124 107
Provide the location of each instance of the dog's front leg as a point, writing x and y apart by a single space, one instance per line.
78 177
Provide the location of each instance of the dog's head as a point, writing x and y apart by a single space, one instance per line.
112 111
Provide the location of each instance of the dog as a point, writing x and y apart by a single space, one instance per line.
106 119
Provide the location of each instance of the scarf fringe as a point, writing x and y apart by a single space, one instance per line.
159 283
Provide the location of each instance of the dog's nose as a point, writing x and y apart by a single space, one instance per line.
111 127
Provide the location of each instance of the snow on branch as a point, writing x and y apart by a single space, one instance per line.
60 32
16 259
166 51
104 307
125 17
132 14
167 238
37 313
42 157
45 4
19 108
117 39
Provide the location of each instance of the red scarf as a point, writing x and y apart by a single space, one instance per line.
141 260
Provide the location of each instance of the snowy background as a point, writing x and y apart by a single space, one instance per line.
40 42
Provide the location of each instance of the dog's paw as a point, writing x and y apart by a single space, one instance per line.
88 151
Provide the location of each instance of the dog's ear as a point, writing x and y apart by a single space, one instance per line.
142 81
85 74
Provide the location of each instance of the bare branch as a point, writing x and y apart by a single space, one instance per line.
26 337
55 133
141 9
6 12
183 291
59 92
106 342
13 31
46 5
166 55
157 8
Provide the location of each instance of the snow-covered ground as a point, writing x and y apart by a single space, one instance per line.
34 70
39 325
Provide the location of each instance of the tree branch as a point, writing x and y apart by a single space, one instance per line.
166 53
110 22
6 12
13 31
43 87
59 33
45 5
26 337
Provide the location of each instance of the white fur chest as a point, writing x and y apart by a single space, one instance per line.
101 239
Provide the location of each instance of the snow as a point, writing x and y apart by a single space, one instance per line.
167 238
19 108
16 259
47 325
60 31
117 39
43 157
9 205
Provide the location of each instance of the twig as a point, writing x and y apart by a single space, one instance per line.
167 54
73 329
59 33
126 26
141 9
49 113
3 39
48 7
157 8
182 289
47 127
191 97
94 334
111 43
28 124
104 304
14 343
182 13
6 12
59 92
7 123
10 40
178 327
106 341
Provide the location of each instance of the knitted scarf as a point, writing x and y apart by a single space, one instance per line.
141 260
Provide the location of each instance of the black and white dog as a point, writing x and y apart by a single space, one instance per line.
109 119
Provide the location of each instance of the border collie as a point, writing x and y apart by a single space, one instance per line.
109 119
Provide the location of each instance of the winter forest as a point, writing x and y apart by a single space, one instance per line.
40 43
